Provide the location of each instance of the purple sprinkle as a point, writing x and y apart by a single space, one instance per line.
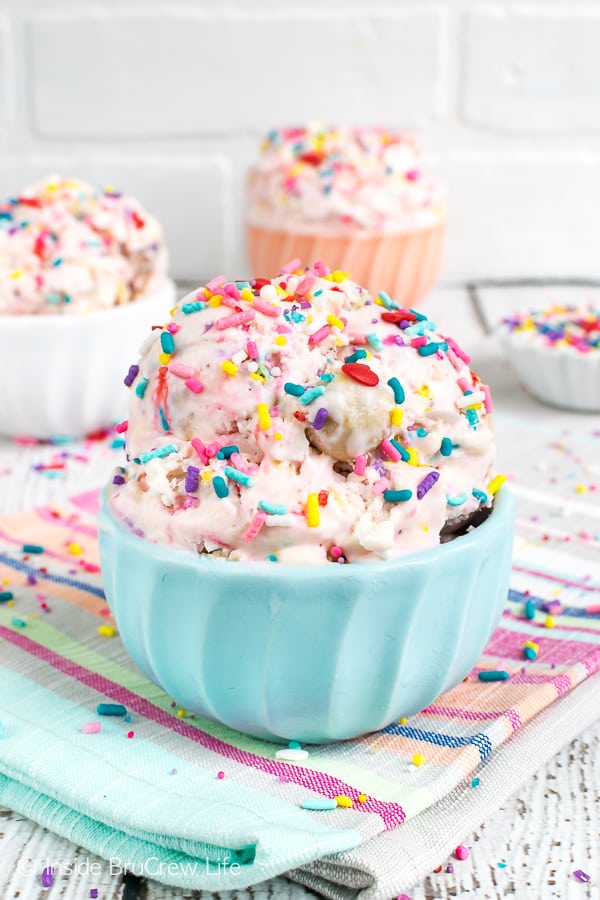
131 375
305 304
379 467
47 876
31 579
320 418
427 483
93 893
118 479
580 875
284 779
450 869
191 479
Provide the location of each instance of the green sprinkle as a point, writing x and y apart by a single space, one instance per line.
446 446
458 500
220 486
159 453
32 548
225 452
530 610
399 395
311 394
5 596
494 675
240 477
18 623
296 390
189 308
167 342
140 388
375 341
404 454
354 357
397 496
273 509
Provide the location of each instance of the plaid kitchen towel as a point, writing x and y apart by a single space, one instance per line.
191 803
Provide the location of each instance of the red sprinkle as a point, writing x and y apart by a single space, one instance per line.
399 315
323 497
361 373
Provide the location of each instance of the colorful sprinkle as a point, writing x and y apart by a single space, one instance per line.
426 484
313 516
397 496
399 395
361 373
494 675
220 487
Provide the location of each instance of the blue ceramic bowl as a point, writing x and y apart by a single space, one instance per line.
312 653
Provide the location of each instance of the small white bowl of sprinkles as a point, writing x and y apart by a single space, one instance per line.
556 354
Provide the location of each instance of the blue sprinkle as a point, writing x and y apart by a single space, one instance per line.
421 432
163 419
399 395
140 389
189 308
167 342
458 500
273 509
111 709
375 341
240 477
354 357
296 390
472 417
311 394
446 446
220 486
479 495
327 377
494 675
159 453
397 496
404 454
529 610
225 452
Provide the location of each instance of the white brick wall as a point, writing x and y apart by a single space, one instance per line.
169 102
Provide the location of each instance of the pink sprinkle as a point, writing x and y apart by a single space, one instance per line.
130 734
336 551
212 450
320 269
267 309
412 175
215 283
389 449
240 464
180 370
461 852
592 610
241 318
189 501
283 329
255 525
360 465
173 327
291 266
305 285
454 359
195 386
91 727
319 335
463 384
231 302
220 775
230 290
200 449
121 427
252 349
419 341
487 399
458 350
354 338
390 339
380 486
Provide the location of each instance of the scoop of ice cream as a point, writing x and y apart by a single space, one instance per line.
66 247
342 180
300 420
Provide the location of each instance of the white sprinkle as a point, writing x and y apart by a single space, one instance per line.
268 293
292 754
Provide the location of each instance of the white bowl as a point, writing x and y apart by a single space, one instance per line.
558 376
63 374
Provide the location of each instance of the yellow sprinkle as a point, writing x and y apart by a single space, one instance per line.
338 276
75 549
280 291
343 800
335 322
281 340
16 274
549 622
215 301
229 367
312 511
418 759
206 474
181 713
413 459
362 798
424 391
396 416
256 377
532 645
164 358
496 483
403 720
247 295
264 417
580 489
277 436
106 630
173 310
475 406
11 603
310 319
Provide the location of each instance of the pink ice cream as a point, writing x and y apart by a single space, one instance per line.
301 420
342 180
66 247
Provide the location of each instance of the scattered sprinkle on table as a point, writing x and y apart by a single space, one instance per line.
318 804
494 675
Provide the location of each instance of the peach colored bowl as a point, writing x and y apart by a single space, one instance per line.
405 265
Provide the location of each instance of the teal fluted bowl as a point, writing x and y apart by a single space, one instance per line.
311 653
